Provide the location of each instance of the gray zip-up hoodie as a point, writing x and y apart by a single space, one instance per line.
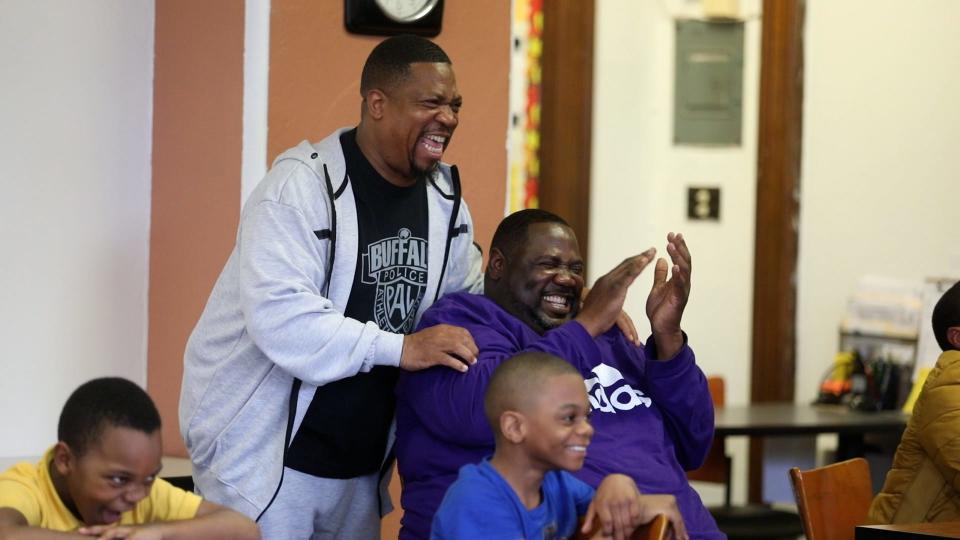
274 317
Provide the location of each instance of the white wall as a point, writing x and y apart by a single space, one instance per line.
878 183
640 180
256 71
880 173
75 139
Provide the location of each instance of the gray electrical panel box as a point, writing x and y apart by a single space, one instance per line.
708 89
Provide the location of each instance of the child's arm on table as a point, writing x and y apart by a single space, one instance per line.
14 526
212 521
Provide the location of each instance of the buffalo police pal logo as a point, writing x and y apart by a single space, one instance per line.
398 268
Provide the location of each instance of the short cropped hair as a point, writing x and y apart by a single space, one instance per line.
389 62
946 314
519 378
512 231
96 404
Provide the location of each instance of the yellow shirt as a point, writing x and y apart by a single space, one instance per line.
28 489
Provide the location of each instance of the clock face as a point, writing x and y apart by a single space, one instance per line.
392 17
405 11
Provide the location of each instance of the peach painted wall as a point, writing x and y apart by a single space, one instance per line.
197 129
315 88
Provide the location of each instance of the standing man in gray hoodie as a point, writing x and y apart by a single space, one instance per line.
287 399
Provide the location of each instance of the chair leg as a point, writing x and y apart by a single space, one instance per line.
727 487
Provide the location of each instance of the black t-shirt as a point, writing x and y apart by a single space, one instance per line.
344 431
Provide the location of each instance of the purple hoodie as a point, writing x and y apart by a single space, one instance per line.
652 420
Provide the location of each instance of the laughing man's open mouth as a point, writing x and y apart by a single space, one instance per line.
557 305
433 144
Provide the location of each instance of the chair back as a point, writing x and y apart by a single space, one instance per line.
718 390
716 468
658 529
833 499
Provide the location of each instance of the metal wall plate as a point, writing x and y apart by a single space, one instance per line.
708 90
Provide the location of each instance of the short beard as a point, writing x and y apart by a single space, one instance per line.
544 323
424 175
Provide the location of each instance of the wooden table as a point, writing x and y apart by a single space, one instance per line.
920 531
788 419
771 419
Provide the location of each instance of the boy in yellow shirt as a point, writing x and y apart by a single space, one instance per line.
100 479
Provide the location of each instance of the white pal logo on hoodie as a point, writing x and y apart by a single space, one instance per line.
623 398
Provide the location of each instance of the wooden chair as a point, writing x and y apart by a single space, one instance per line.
658 529
390 524
716 468
833 499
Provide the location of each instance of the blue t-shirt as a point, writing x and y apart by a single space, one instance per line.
481 504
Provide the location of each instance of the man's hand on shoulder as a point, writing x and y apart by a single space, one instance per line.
440 345
604 304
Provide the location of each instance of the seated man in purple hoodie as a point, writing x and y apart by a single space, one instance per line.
652 410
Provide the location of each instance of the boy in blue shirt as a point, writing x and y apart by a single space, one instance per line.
538 408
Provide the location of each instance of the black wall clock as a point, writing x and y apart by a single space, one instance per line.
391 17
